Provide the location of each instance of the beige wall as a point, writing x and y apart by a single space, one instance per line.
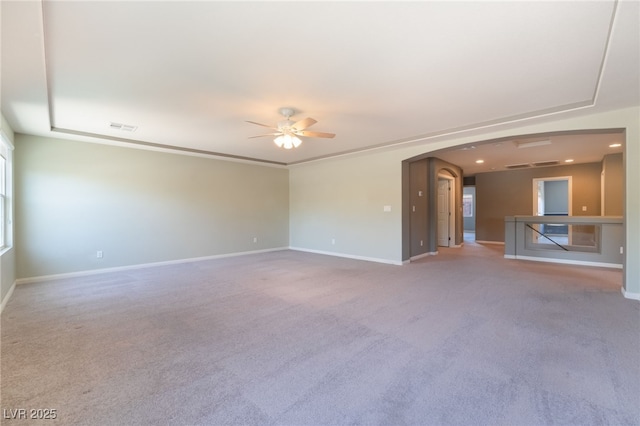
613 185
344 196
420 199
137 206
417 236
510 193
420 195
339 198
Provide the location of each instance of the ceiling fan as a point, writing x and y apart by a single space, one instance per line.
287 130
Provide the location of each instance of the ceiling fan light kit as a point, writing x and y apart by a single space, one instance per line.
287 131
287 141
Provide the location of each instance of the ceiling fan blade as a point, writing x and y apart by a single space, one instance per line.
303 124
263 125
265 135
315 134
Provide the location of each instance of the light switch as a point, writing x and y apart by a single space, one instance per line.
387 208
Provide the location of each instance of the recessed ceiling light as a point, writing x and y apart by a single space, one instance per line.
479 161
569 160
615 145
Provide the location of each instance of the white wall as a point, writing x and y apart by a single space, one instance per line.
137 207
342 198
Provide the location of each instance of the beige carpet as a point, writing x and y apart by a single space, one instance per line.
290 338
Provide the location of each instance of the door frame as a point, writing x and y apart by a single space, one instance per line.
451 207
546 179
536 182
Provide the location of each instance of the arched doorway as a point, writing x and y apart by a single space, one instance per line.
421 177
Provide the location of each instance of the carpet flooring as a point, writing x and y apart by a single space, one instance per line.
290 338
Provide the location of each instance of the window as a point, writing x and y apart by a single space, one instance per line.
5 191
3 201
467 205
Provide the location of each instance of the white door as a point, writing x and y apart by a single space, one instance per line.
443 212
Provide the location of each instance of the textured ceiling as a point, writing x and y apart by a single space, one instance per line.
188 74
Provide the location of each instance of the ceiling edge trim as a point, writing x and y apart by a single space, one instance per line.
458 130
172 148
47 72
605 54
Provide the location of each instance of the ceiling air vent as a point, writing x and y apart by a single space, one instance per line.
532 144
517 166
123 127
546 163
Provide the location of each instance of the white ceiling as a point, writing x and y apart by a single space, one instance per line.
188 74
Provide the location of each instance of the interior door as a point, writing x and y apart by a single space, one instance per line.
444 214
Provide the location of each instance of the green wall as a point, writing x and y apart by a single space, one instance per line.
138 206
337 206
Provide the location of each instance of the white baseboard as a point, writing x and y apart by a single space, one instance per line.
6 298
140 266
566 261
629 295
420 256
490 242
349 256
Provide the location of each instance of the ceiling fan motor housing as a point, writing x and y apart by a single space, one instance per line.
287 112
285 125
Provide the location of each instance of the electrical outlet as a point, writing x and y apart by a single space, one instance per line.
99 254
621 250
255 239
333 241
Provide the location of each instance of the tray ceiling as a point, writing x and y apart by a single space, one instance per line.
186 75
